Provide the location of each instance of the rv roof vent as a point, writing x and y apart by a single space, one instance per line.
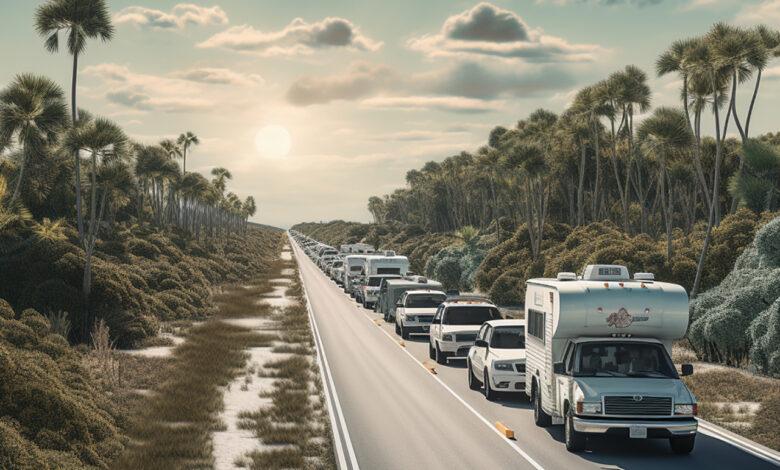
605 272
389 253
567 277
644 276
422 280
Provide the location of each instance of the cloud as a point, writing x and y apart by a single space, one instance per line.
182 15
487 30
219 76
360 80
640 3
454 104
474 80
767 13
148 92
299 37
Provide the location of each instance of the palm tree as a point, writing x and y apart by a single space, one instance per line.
221 175
771 41
32 112
666 131
80 20
673 61
186 140
758 182
171 148
105 142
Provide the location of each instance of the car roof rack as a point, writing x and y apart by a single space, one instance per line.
468 298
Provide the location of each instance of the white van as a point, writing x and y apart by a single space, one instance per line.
598 357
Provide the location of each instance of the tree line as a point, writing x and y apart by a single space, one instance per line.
598 161
66 163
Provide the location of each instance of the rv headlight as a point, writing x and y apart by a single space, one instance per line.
446 338
583 407
502 365
410 318
685 409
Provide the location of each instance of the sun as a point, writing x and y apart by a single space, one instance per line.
273 142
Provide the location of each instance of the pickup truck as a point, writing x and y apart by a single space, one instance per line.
415 310
496 362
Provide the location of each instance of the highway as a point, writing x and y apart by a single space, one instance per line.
401 416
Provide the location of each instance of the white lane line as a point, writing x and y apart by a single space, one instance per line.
739 442
330 389
462 401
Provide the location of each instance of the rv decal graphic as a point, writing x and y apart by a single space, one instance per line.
620 319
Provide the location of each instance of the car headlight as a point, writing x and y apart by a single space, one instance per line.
583 407
446 338
685 409
411 318
502 365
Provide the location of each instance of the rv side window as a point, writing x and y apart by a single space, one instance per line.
536 324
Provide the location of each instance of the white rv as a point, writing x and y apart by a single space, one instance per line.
376 267
354 267
598 357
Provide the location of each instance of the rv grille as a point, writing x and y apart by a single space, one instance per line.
465 337
645 406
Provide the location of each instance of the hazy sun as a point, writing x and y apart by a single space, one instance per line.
273 142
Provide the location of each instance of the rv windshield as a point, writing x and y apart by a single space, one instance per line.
469 315
375 281
424 300
355 269
508 337
623 359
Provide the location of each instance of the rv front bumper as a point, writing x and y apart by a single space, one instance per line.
614 427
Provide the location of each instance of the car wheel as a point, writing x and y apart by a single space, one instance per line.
430 350
440 357
541 418
682 444
490 394
397 329
474 383
575 441
404 333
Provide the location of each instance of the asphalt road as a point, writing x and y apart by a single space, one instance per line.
400 416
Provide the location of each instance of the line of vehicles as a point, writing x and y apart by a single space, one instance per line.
592 354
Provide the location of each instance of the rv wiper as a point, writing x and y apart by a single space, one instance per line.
613 373
647 373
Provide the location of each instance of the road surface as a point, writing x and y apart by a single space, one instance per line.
400 416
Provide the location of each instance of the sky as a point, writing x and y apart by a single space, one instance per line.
366 90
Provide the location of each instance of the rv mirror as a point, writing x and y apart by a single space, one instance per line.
481 343
686 369
558 368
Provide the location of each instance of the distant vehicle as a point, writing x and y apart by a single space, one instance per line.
414 311
354 267
356 248
455 326
336 270
598 357
497 359
368 293
391 290
390 264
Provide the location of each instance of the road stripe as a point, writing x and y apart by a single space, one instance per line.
345 453
738 441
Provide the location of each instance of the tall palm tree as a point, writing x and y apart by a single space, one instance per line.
666 131
80 20
770 39
171 148
186 140
758 182
32 112
105 142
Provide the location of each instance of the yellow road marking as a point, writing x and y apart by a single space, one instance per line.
505 430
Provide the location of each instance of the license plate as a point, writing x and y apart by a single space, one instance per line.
637 432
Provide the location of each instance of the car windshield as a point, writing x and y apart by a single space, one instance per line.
338 264
508 337
469 315
424 300
623 359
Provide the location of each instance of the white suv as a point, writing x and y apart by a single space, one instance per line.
497 359
415 310
455 326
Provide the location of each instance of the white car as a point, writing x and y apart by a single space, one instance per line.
415 310
456 324
497 359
